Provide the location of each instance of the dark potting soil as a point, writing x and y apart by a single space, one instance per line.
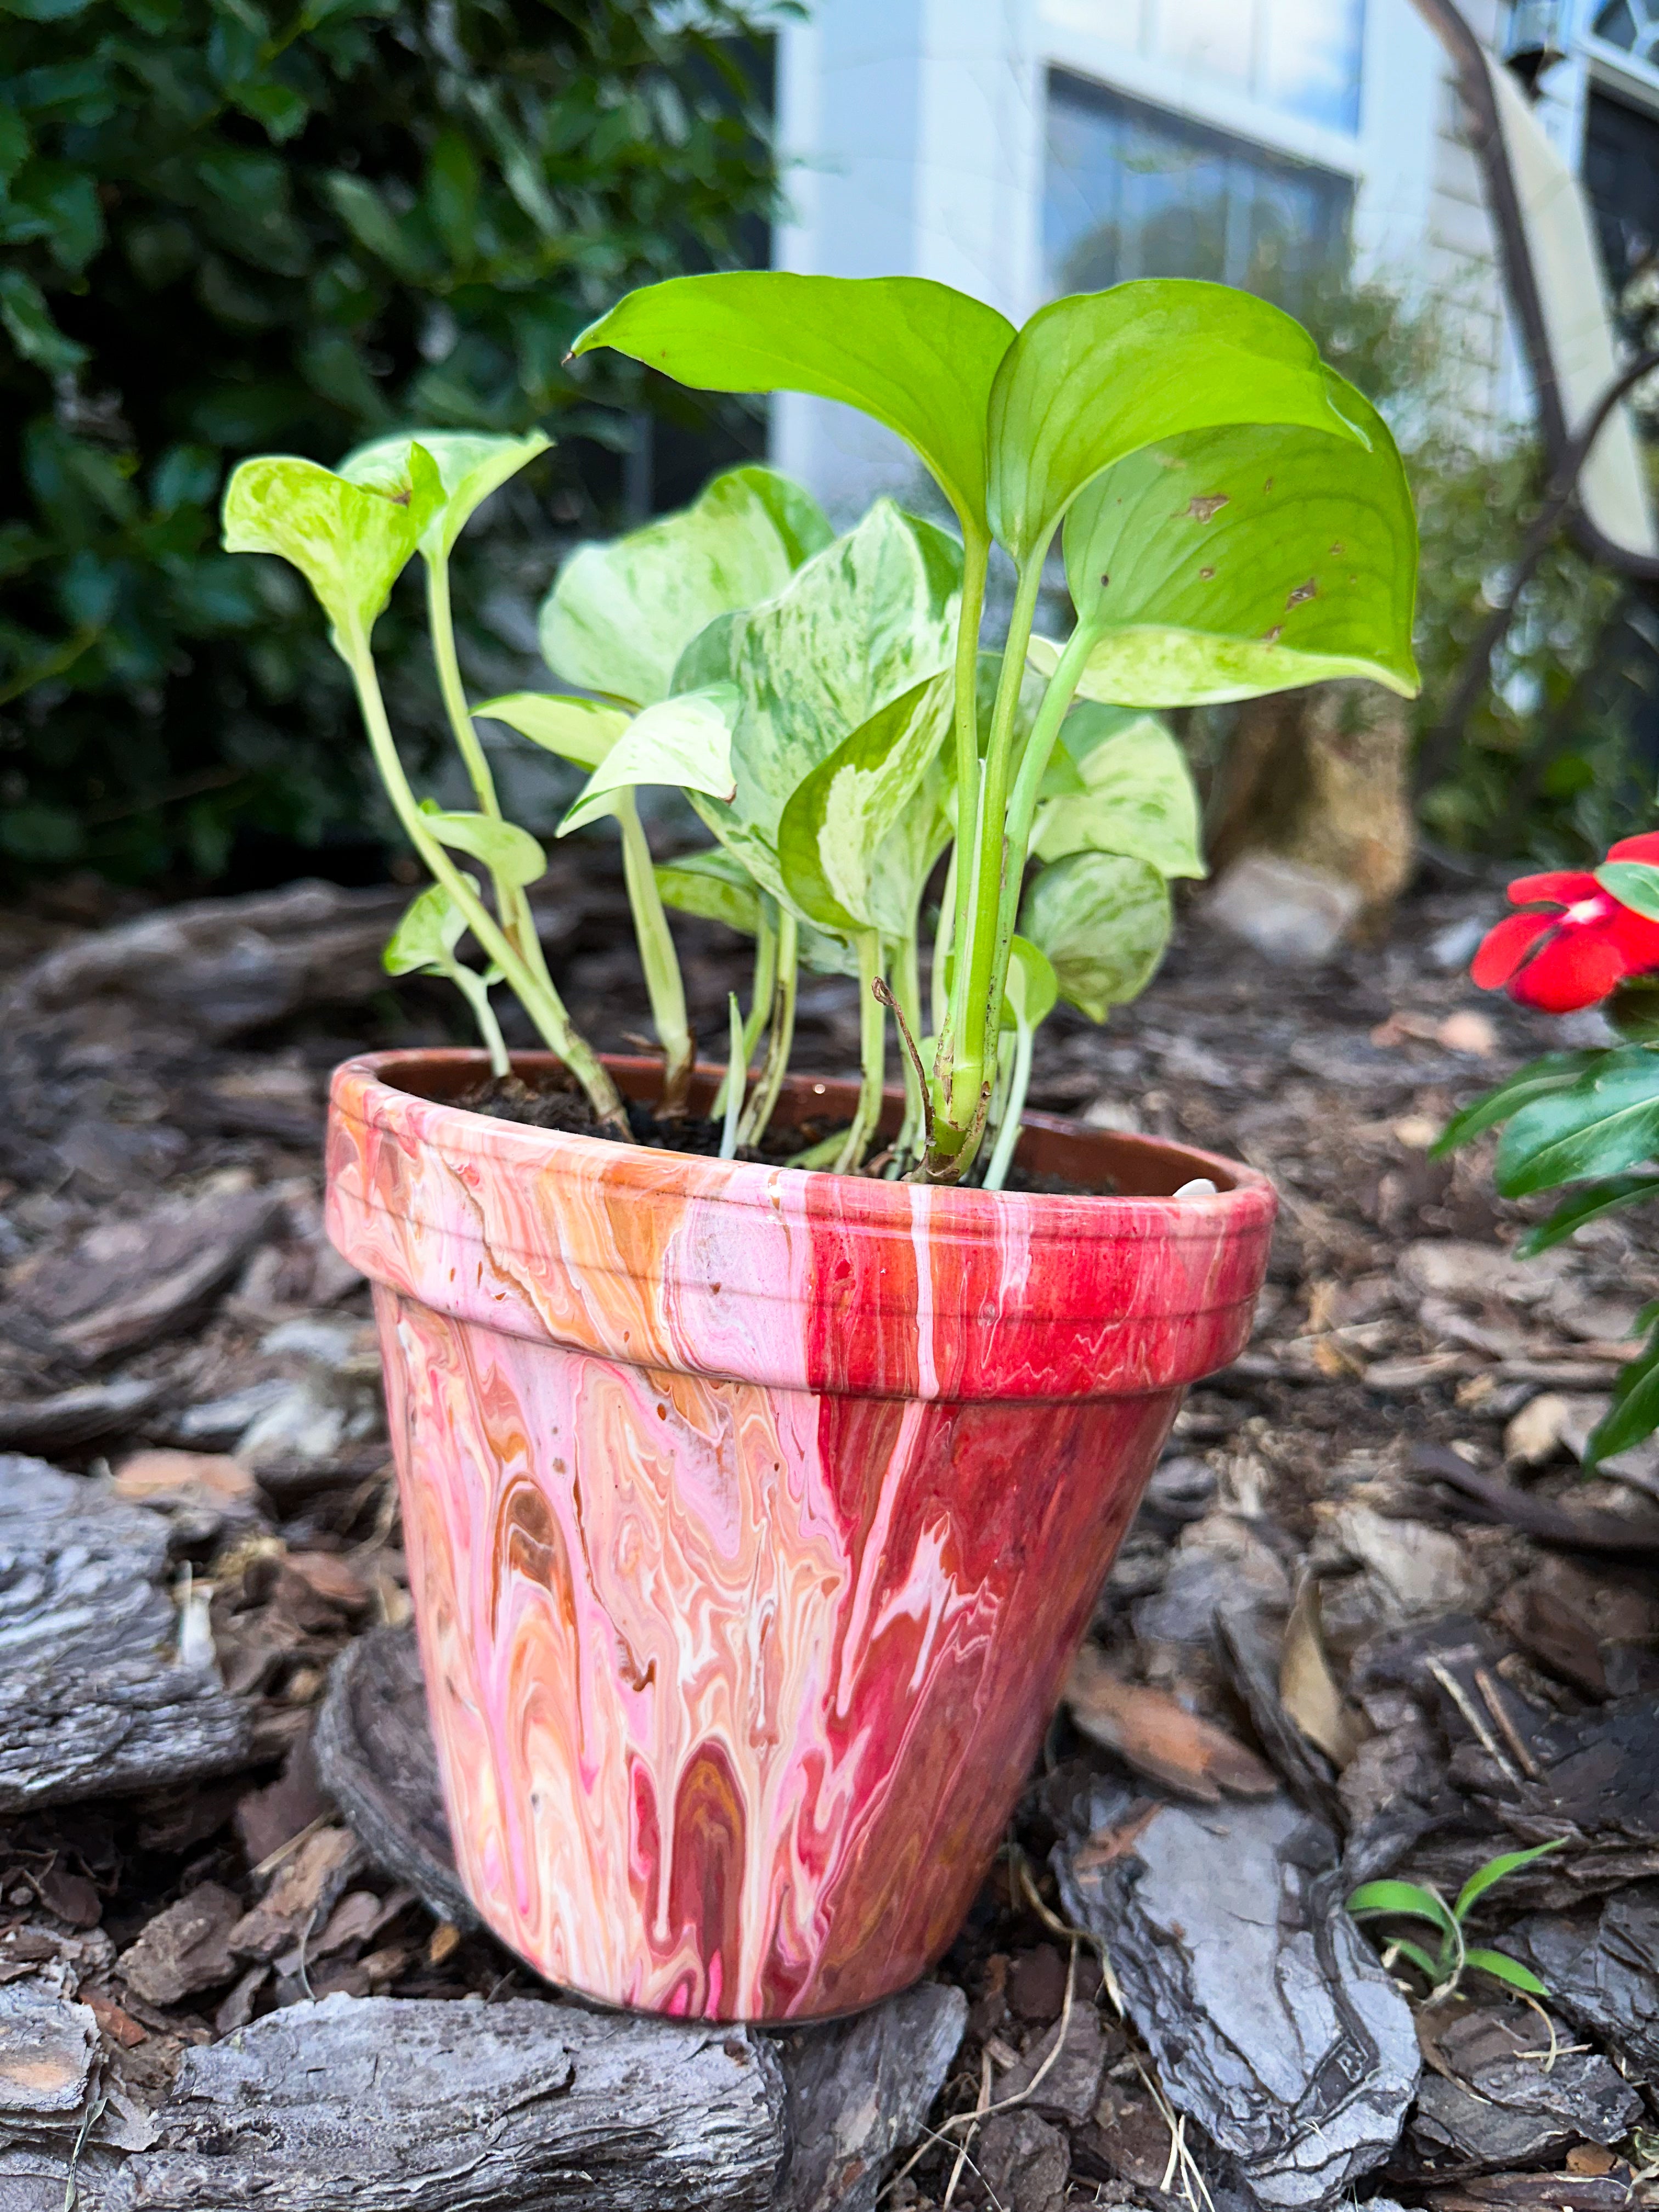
552 1102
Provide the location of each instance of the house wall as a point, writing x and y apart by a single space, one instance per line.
915 131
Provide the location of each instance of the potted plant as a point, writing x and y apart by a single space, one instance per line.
759 1474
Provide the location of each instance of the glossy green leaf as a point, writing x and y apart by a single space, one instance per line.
1505 1969
916 356
350 543
510 853
1555 1071
831 839
685 741
1433 1969
1587 1204
1097 376
1634 1413
27 322
1103 922
578 730
1135 796
1406 1899
1234 561
1607 1120
431 928
1495 1869
620 613
713 884
862 624
471 467
1634 884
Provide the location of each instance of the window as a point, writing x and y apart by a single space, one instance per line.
1132 192
1632 24
1621 175
1301 57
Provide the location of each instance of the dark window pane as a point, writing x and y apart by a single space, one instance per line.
1134 191
1617 25
1621 175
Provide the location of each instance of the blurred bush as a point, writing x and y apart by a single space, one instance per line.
230 228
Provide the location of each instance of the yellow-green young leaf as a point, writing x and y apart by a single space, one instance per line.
864 622
1228 562
832 837
914 354
622 613
470 465
685 741
1097 376
1503 1968
1506 1862
1135 796
1031 988
506 851
350 543
431 927
1103 922
713 884
579 730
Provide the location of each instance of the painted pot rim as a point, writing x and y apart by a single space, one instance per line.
366 1089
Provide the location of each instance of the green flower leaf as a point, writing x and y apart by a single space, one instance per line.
622 613
511 854
862 624
470 467
1634 884
833 836
578 730
1134 796
1588 1204
1092 379
916 356
715 885
350 543
685 741
1247 559
1607 1120
1103 922
1555 1071
1634 1413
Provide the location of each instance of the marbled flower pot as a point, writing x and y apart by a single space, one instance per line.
753 1515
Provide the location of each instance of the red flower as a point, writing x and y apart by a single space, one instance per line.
1578 947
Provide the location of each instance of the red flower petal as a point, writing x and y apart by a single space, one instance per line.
1636 937
1567 885
1574 970
1504 948
1645 848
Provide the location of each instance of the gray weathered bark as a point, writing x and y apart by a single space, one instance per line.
94 1701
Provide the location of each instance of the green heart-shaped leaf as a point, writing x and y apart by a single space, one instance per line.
1097 376
713 884
511 854
622 613
431 927
348 542
1103 922
917 355
470 465
579 730
1233 562
685 741
864 622
1135 797
832 838
1032 986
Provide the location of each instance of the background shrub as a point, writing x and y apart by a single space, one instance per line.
230 228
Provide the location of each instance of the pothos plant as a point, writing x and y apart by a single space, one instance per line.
1233 519
1586 1121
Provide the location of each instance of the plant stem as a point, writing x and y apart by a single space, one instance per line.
736 1061
474 989
764 1098
537 997
943 940
970 1009
760 995
657 957
996 1173
872 1055
976 562
907 993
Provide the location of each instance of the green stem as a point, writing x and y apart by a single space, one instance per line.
760 996
540 999
976 562
474 989
763 1098
662 968
943 941
736 1062
975 944
872 1055
907 992
996 1173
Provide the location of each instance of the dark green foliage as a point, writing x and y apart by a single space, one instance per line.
228 228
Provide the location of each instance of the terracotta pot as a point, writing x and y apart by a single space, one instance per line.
753 1515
